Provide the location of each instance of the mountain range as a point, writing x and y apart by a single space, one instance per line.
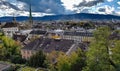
78 16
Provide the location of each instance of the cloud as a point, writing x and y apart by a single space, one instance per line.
118 8
118 2
46 6
69 4
89 3
117 13
86 10
106 9
109 0
4 2
102 10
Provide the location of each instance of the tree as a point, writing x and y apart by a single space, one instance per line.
37 60
17 59
8 48
77 60
98 55
115 58
27 69
63 63
73 62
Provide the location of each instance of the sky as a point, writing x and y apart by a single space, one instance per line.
70 6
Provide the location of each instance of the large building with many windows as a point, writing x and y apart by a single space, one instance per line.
10 28
72 35
78 36
47 45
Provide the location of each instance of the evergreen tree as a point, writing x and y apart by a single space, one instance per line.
37 60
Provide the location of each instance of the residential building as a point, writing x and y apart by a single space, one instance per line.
19 37
10 28
47 45
71 35
78 36
37 33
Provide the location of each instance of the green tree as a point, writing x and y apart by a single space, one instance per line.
63 63
27 69
98 55
37 60
8 48
115 58
73 62
77 60
17 59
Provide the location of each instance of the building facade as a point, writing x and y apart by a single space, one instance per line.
78 36
10 28
47 45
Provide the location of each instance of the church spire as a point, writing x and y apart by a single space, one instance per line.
30 14
14 19
14 15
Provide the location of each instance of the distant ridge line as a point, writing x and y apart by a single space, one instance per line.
78 16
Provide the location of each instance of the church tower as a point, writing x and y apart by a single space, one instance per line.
14 19
30 14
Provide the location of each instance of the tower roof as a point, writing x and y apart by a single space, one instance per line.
30 14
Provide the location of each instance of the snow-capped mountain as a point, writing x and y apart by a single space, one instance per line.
8 9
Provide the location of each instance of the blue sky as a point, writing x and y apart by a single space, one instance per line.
72 6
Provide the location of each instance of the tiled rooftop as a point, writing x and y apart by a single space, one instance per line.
21 38
10 24
3 66
39 32
49 45
79 34
114 35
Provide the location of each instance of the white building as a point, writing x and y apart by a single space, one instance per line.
10 28
118 28
78 36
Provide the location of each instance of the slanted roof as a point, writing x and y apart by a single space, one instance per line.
79 34
10 25
19 37
37 26
114 35
4 66
38 32
48 45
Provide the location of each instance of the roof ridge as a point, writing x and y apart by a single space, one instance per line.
35 46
